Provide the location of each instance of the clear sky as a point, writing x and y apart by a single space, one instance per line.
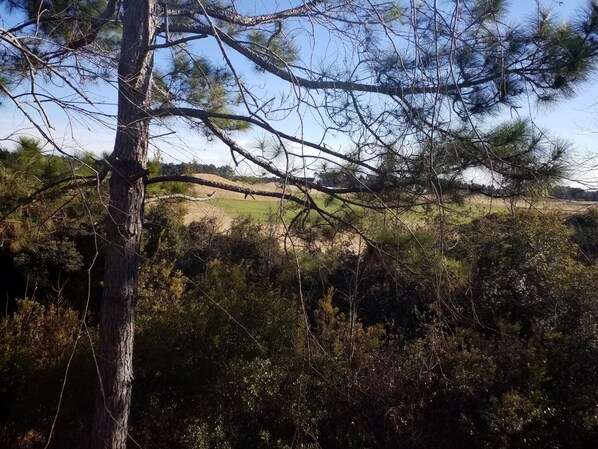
575 119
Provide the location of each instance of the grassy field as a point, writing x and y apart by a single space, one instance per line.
228 209
258 210
264 210
227 206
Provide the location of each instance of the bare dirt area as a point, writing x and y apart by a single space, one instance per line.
206 209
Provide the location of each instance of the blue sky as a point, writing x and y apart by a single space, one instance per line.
575 119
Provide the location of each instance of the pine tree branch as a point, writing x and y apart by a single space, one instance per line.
201 114
231 188
234 18
176 196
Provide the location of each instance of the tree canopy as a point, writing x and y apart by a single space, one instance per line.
381 89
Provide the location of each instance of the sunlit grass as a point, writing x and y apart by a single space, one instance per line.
256 209
265 210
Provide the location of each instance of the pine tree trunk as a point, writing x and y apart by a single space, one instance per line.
128 162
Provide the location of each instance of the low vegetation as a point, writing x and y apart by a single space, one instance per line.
478 334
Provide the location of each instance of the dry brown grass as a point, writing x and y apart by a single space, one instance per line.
535 204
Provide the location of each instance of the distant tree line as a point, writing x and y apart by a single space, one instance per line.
185 168
574 193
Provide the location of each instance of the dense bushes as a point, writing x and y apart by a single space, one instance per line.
491 343
40 347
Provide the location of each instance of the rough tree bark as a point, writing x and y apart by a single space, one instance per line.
128 170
